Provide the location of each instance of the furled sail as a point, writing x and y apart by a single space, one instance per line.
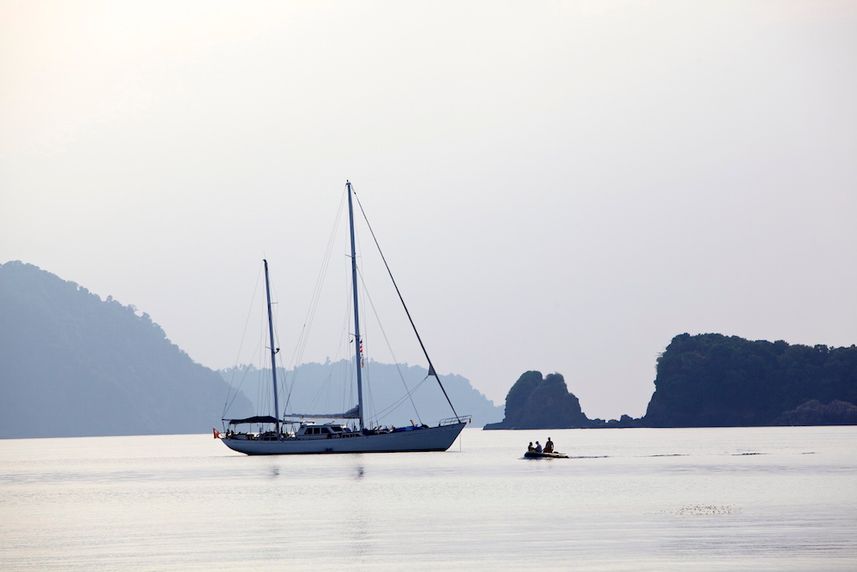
353 413
251 420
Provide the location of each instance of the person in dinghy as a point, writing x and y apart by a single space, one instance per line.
546 452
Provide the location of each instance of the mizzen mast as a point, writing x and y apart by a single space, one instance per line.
273 349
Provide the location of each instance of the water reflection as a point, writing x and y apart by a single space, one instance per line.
360 541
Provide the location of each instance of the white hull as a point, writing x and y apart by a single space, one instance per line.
430 439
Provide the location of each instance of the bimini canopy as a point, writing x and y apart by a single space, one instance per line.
249 420
352 413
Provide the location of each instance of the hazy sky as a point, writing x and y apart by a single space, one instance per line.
560 186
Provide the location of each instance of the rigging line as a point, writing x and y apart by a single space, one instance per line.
261 393
228 403
278 358
323 387
342 350
432 370
383 412
367 378
312 310
364 358
238 390
309 318
389 346
370 395
398 403
345 395
347 338
340 370
344 334
281 365
263 387
279 362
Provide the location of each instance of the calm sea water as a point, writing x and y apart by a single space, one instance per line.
633 499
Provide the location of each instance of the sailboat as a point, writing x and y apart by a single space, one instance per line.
326 432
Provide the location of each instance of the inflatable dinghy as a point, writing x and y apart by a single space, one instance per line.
535 455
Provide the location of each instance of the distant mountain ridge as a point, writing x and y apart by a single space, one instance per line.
330 387
72 364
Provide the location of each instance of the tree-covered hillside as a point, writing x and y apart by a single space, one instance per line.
716 380
74 364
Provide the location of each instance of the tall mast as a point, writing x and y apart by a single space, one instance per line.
431 369
273 349
356 310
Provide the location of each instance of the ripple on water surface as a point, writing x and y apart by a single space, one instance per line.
631 499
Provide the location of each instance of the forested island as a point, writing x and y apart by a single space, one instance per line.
536 402
712 380
544 402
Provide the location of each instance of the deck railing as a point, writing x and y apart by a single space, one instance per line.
455 420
